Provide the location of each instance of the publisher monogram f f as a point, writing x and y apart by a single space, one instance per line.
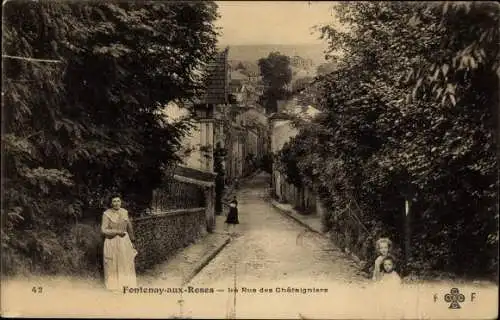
454 298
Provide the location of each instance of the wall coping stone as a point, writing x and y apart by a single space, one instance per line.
195 174
169 213
194 181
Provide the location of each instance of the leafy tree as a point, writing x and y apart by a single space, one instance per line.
301 83
465 53
92 123
276 74
373 142
325 68
251 69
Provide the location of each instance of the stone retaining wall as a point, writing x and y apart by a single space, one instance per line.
302 199
159 236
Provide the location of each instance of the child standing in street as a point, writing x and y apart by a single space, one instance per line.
232 215
389 275
389 298
383 246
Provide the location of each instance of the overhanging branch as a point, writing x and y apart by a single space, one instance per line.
30 59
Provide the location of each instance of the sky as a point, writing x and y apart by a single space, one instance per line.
272 22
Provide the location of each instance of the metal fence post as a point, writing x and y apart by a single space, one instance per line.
407 242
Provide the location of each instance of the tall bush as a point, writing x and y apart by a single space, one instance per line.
412 106
87 121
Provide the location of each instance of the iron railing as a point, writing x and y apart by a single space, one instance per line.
178 195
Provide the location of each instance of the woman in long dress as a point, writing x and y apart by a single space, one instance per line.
119 251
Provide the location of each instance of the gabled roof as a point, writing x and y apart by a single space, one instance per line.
236 85
217 89
292 109
238 75
280 116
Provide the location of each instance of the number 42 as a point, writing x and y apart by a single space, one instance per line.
37 289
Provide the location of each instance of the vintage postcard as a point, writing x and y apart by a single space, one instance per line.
250 159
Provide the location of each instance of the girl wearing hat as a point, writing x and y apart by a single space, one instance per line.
232 215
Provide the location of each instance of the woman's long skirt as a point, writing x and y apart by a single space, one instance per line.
232 216
119 264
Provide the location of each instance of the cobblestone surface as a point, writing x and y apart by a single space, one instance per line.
313 221
275 263
270 246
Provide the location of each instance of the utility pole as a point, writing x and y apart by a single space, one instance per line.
219 157
409 195
408 204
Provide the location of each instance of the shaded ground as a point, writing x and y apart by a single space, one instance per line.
277 266
186 263
269 246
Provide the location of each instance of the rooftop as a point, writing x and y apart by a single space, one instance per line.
236 85
217 90
238 75
291 109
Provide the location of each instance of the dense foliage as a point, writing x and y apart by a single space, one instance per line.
410 113
326 68
89 123
248 68
276 74
301 83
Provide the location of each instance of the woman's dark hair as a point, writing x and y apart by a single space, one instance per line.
391 258
114 195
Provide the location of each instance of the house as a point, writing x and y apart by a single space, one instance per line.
222 120
197 166
228 133
256 122
281 130
281 125
252 119
238 132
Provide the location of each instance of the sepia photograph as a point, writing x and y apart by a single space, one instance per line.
250 159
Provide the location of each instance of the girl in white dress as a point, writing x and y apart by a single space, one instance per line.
119 251
389 275
390 299
383 246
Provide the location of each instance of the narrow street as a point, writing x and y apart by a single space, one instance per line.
281 270
269 246
270 251
125 121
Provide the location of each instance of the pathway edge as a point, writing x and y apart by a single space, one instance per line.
290 214
203 263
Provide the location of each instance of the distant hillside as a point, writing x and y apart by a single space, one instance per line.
253 53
